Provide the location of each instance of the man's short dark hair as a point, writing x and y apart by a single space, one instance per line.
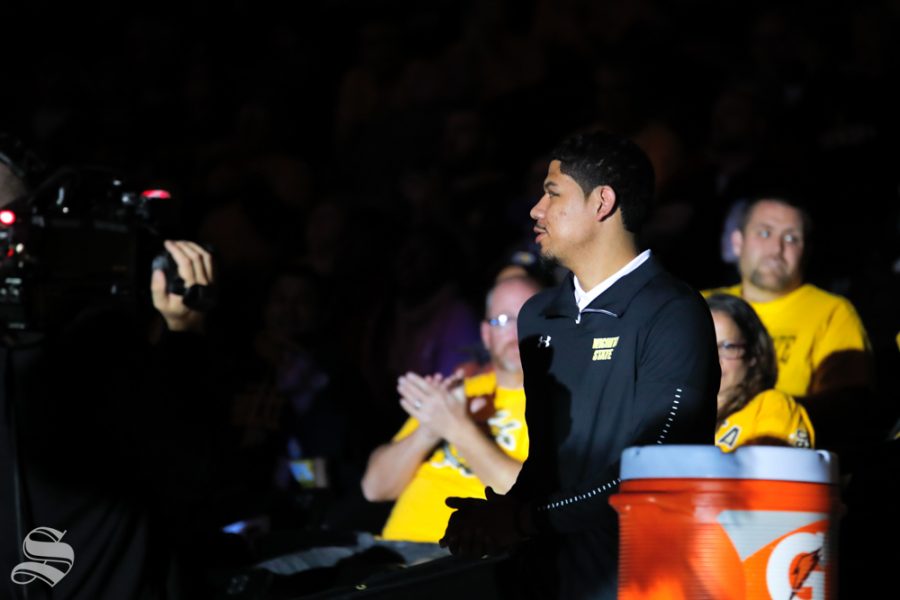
595 159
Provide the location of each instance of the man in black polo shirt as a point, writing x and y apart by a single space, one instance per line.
620 354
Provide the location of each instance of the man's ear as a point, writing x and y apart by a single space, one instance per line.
603 198
485 334
737 242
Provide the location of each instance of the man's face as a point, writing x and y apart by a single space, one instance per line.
564 221
498 330
291 310
770 247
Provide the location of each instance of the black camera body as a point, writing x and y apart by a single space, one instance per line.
81 239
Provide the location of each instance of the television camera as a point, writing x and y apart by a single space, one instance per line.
82 239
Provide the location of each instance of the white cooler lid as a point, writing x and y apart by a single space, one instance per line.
747 462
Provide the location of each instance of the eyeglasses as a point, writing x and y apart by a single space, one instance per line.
501 321
731 349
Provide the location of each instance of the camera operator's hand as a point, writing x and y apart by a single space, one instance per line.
195 267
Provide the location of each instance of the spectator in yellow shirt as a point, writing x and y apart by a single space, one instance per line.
444 449
749 410
821 346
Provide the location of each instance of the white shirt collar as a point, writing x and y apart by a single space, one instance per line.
583 298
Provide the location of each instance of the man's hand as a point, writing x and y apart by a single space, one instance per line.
195 268
438 404
483 527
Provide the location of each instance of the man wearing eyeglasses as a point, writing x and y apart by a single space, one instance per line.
462 435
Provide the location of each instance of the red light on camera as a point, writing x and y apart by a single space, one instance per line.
7 217
157 194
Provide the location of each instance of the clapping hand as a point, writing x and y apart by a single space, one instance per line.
439 404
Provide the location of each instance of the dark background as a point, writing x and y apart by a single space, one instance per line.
331 135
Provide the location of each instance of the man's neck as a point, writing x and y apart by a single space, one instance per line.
752 293
510 380
604 260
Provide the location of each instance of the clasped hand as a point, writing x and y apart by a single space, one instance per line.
482 527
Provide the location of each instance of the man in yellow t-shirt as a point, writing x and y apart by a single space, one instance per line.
808 326
420 514
824 356
459 438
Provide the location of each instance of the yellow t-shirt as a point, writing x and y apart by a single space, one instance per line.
770 414
806 326
420 515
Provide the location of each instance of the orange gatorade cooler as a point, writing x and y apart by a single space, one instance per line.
695 522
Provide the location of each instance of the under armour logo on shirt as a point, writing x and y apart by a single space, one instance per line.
544 341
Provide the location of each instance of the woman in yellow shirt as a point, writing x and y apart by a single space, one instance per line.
750 410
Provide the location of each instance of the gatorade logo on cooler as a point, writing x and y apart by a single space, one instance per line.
785 551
